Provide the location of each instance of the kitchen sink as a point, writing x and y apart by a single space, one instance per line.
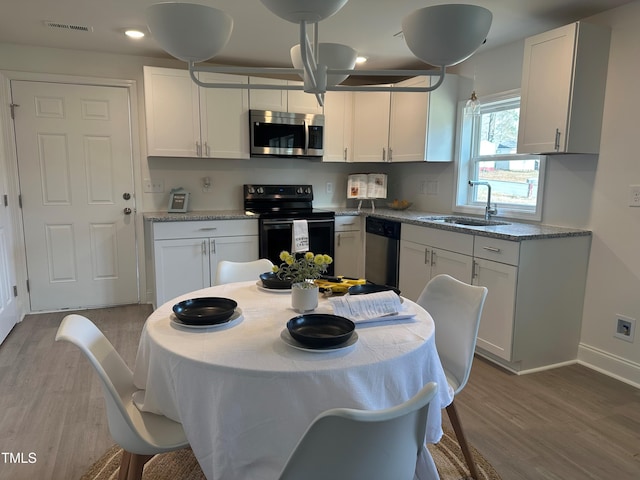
468 221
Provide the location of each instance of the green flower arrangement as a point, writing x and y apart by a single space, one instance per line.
302 268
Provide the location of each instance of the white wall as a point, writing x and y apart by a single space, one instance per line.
613 284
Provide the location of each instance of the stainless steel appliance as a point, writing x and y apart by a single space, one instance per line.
284 134
382 253
278 206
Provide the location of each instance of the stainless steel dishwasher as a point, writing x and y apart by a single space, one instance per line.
382 253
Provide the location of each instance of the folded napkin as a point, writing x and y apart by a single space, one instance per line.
372 307
300 236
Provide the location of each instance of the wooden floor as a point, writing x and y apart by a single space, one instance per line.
563 424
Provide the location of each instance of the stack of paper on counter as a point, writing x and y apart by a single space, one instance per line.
372 307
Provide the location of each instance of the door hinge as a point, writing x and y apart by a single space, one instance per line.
15 290
13 110
28 288
6 200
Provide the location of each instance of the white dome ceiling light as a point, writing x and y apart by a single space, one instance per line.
188 31
440 36
334 55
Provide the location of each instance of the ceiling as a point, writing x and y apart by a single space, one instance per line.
260 38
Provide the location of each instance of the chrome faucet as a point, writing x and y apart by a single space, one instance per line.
488 211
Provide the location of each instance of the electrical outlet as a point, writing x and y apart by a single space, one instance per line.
329 188
634 195
625 328
422 187
153 186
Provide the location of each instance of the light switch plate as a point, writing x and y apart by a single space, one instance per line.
153 186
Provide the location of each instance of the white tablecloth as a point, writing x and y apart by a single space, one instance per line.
245 397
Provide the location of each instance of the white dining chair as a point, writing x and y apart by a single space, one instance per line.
228 272
350 444
140 434
456 308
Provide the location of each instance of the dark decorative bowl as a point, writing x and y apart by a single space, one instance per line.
318 330
271 280
205 310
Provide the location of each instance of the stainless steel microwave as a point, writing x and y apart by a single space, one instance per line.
284 134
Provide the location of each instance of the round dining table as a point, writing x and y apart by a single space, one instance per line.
245 392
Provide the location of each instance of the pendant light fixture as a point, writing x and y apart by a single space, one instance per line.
472 107
440 36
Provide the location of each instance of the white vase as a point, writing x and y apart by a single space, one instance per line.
304 297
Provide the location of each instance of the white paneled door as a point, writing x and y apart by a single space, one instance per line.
8 304
76 180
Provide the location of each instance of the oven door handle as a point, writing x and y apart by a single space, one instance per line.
290 222
306 137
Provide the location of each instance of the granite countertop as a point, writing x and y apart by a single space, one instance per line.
198 215
514 231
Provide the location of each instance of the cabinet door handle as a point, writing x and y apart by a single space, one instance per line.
339 238
433 258
207 150
492 249
345 154
474 274
384 154
208 229
204 247
426 256
390 154
557 142
212 246
198 149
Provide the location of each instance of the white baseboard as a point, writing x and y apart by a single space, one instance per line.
608 364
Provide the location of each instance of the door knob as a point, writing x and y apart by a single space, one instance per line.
127 211
126 196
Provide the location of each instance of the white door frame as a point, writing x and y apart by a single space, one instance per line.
12 168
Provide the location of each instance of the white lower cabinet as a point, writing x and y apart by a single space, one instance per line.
533 312
349 251
186 254
496 327
427 252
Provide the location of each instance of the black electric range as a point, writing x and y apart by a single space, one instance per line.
278 206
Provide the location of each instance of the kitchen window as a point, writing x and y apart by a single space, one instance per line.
488 154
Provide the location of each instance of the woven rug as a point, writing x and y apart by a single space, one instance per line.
182 465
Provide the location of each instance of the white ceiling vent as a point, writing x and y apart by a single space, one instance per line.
68 26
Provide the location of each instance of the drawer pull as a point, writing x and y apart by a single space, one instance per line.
492 249
208 229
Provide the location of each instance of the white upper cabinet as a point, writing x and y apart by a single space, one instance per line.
406 126
563 85
298 101
224 117
422 126
295 101
184 120
371 126
172 113
338 123
275 100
